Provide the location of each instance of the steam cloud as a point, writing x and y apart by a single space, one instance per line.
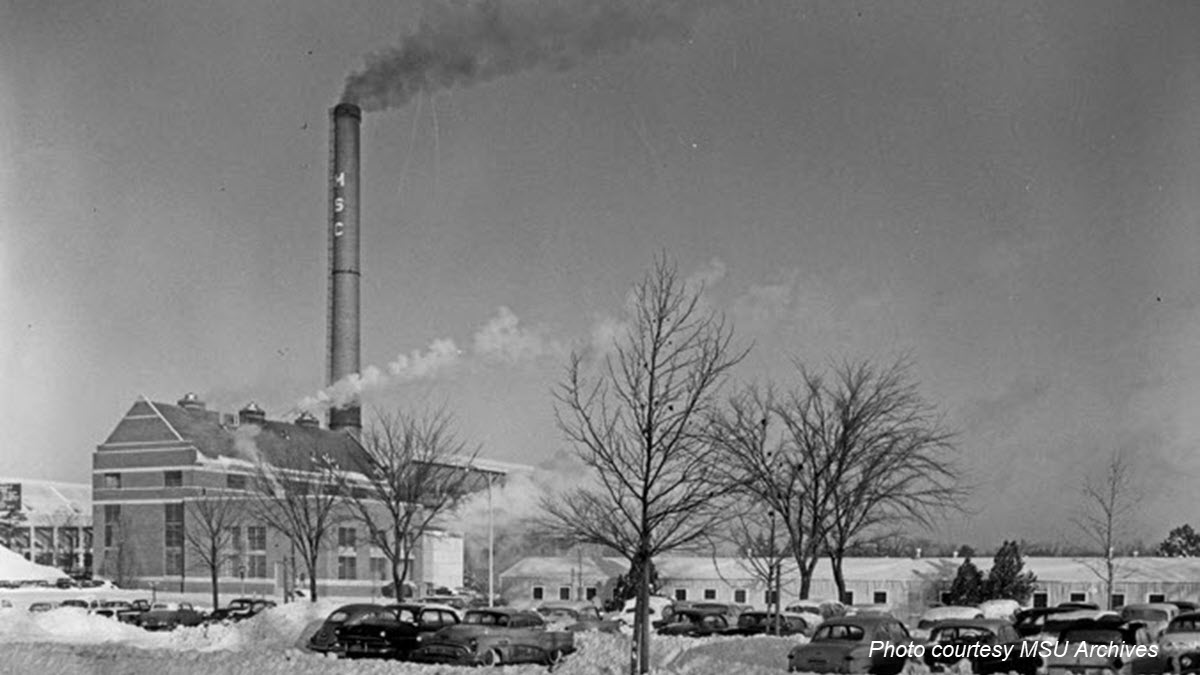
502 339
465 43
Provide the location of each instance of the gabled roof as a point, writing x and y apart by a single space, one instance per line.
48 503
277 443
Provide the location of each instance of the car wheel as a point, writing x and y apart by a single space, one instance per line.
554 658
493 658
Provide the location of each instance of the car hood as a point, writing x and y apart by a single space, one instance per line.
463 632
823 653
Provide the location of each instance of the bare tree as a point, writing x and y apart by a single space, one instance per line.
300 498
210 522
784 474
638 420
883 454
415 471
762 547
1104 516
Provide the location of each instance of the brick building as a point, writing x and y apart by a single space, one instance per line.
161 456
48 522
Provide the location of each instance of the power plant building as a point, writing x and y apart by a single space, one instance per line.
163 459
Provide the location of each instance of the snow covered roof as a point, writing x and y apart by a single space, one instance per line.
705 568
46 503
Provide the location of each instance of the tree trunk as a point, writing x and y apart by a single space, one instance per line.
639 656
311 563
835 561
806 577
213 571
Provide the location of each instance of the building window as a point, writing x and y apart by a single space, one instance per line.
346 537
739 596
173 533
174 562
590 592
256 537
112 516
769 597
379 568
1041 599
710 594
538 592
681 594
564 592
347 567
848 598
172 479
879 597
235 538
1156 597
256 566
235 481
1118 600
112 481
1078 597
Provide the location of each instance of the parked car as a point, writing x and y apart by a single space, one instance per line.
42 606
1182 634
695 623
496 636
325 640
843 645
170 615
121 610
1057 623
764 623
1186 605
933 615
953 632
660 608
1030 622
577 616
239 609
1156 615
76 602
1108 631
394 633
1078 605
826 609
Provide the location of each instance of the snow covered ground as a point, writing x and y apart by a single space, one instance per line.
70 641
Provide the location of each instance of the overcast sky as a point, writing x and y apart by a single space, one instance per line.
1005 191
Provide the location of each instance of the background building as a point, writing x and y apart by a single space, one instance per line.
907 586
162 456
48 522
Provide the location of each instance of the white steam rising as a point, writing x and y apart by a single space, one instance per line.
457 44
502 339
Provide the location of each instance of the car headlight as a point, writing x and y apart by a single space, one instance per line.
472 644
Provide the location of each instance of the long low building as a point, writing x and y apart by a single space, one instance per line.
907 586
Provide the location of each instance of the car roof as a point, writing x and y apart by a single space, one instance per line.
1165 606
860 619
973 623
1189 616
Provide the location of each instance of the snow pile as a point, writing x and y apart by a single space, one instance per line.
14 567
71 641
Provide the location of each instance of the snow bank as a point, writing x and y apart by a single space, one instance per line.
71 641
14 567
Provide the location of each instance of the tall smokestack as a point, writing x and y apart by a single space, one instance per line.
345 122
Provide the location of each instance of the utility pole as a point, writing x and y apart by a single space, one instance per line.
491 546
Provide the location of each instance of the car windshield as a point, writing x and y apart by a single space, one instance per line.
842 632
1188 625
960 633
404 614
558 613
1144 614
749 620
486 619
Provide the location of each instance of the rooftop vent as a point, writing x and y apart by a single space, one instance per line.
307 419
251 414
190 401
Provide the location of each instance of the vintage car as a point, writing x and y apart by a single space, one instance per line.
950 633
1109 646
1186 605
1179 644
577 616
660 609
496 636
325 640
395 633
933 615
1029 622
1156 615
843 645
826 609
1057 623
170 615
42 606
696 623
1000 608
757 622
239 609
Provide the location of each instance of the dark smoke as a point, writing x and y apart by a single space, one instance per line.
460 43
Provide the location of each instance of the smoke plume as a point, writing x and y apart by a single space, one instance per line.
458 44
